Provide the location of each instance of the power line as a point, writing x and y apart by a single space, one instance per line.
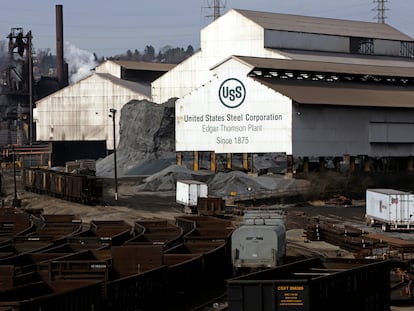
381 8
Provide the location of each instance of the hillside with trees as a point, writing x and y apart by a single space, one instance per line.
45 61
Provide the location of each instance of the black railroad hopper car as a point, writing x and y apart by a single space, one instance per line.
156 232
96 269
13 222
85 189
315 284
79 295
103 233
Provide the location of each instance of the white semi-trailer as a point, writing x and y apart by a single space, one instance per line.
188 192
391 209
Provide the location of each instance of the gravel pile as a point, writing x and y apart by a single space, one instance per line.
146 134
147 147
166 179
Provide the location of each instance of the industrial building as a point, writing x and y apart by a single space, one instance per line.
80 111
303 86
16 89
47 122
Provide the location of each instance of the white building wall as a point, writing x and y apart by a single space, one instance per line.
262 122
231 34
180 80
109 67
81 111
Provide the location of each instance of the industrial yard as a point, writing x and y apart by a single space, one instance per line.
301 243
253 176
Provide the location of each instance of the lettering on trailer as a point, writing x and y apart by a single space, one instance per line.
292 297
381 206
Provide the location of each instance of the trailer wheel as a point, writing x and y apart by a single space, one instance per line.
370 222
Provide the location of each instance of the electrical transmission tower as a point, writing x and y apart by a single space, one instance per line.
381 8
217 5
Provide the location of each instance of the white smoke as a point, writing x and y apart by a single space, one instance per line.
80 62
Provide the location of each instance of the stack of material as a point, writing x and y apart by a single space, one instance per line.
345 236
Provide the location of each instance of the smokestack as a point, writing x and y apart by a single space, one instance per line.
60 66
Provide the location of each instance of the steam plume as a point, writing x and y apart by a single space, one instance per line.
80 62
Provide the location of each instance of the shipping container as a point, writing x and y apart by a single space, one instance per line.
391 209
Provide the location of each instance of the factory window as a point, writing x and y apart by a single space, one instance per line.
407 49
361 46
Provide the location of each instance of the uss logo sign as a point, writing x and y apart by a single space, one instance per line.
232 93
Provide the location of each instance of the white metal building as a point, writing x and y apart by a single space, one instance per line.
80 112
304 86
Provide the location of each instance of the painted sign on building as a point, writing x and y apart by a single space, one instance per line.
234 115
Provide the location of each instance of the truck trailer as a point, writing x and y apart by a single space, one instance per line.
389 208
188 192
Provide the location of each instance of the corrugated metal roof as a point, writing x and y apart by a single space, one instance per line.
346 58
343 94
133 86
330 26
144 65
380 67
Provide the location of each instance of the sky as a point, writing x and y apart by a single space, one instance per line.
109 28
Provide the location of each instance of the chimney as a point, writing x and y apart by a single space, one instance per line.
62 72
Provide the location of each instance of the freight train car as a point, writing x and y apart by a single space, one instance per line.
260 241
79 275
315 284
156 232
85 189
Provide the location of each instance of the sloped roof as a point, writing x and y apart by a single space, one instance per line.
133 86
329 26
147 66
343 94
346 58
337 93
379 66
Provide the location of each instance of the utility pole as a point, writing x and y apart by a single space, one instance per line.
112 115
16 201
381 8
217 5
30 61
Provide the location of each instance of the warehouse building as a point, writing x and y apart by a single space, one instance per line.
81 112
302 86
